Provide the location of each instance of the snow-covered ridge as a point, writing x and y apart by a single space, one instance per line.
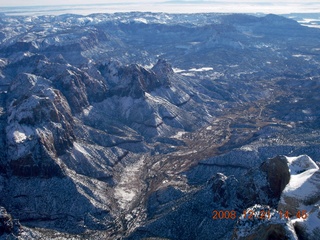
300 164
302 170
302 193
166 6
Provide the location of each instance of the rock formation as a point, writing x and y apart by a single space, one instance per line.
297 207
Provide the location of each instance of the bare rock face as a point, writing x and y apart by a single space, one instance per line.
277 173
134 80
9 228
79 88
74 89
164 71
6 224
223 187
253 187
39 127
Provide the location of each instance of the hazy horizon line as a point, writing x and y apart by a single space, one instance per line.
168 7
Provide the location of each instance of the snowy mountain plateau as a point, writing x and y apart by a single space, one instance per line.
142 125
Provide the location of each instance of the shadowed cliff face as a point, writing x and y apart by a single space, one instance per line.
278 174
113 128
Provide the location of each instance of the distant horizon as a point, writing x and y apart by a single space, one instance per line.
181 6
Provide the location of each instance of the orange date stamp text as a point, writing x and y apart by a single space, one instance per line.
261 214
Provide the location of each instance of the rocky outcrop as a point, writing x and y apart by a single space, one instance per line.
39 127
163 71
254 186
301 196
287 189
278 174
6 224
73 89
9 228
79 87
134 80
223 189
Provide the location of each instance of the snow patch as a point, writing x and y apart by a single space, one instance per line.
247 148
203 69
154 99
209 128
302 168
20 133
142 20
300 185
311 25
87 111
80 149
179 134
306 57
19 136
306 111
300 164
178 70
129 185
188 74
